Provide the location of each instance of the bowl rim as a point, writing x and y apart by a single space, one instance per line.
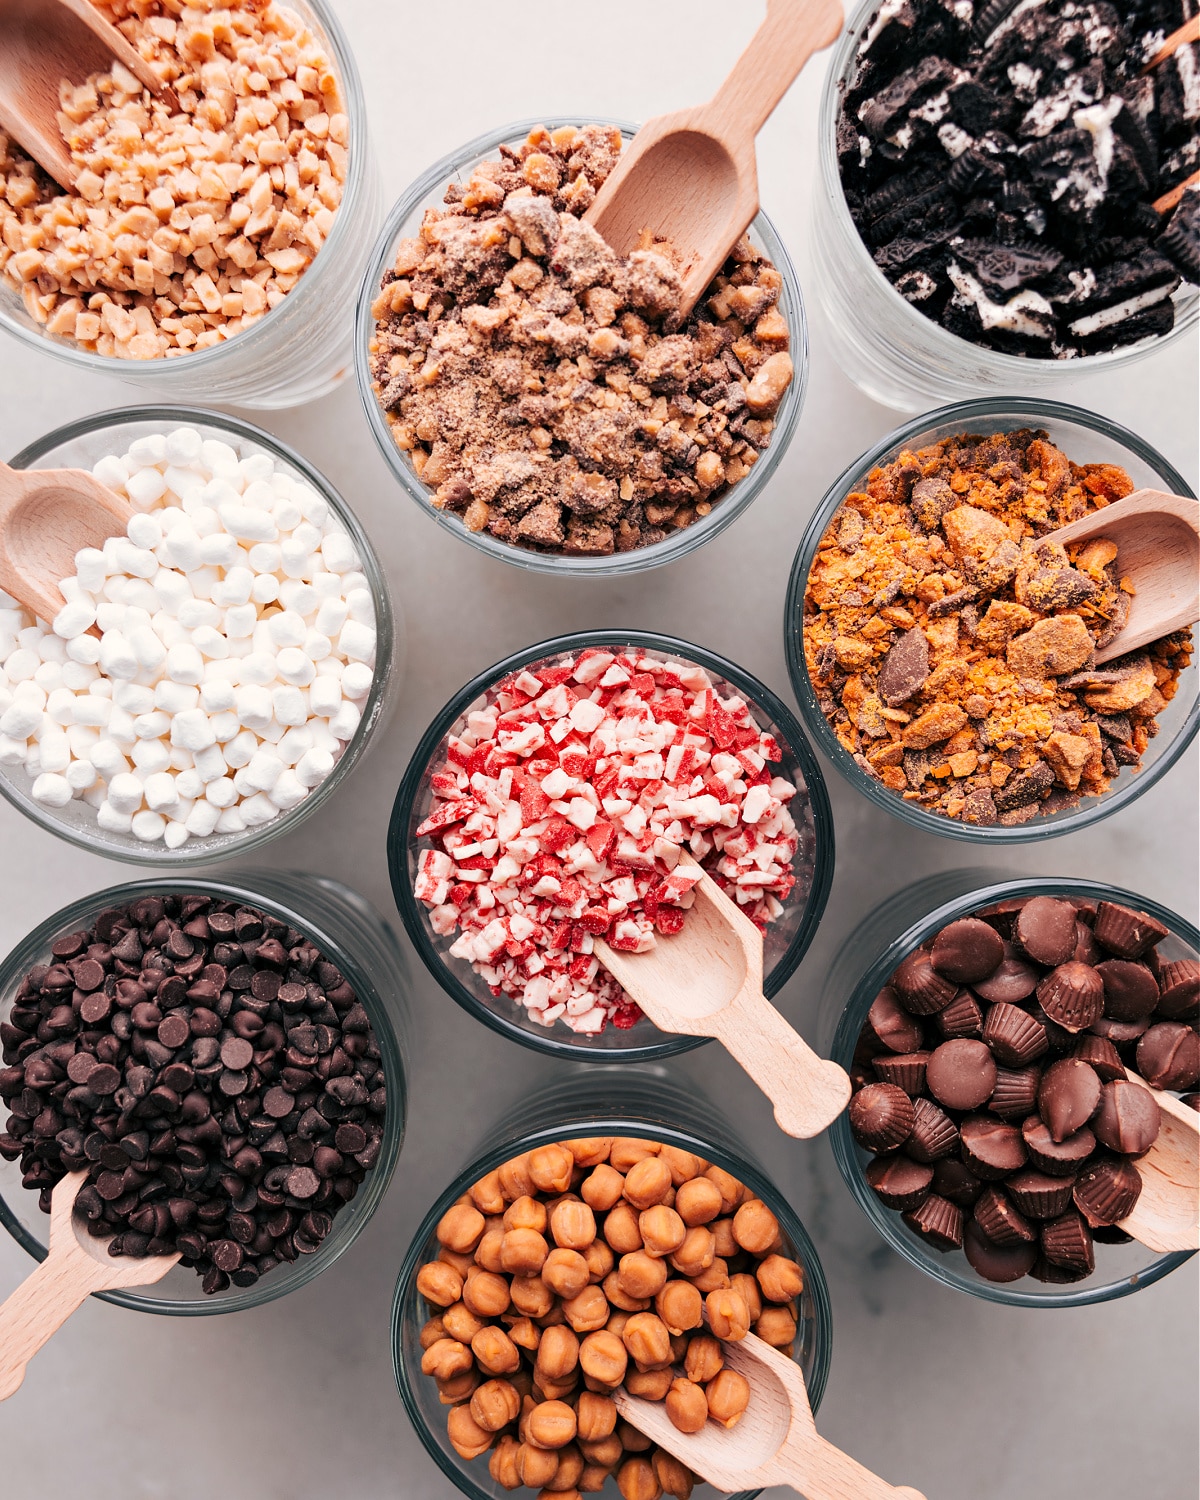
732 504
756 693
194 854
849 1023
1027 409
238 886
623 1124
357 176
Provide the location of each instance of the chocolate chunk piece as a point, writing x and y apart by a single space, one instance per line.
1168 1056
905 668
899 1181
881 1117
1067 1097
1024 789
1045 929
1128 1118
967 951
961 1074
999 1263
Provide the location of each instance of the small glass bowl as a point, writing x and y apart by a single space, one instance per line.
786 940
404 221
298 351
353 936
888 348
1084 437
859 971
647 1103
79 445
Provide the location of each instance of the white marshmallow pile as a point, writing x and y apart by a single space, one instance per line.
234 654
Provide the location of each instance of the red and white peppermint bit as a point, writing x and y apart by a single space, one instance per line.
560 813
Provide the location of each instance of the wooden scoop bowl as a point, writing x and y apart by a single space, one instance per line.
1158 550
707 981
46 517
691 177
76 1266
774 1442
1167 1215
43 42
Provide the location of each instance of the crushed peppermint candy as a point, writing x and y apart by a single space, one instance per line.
560 812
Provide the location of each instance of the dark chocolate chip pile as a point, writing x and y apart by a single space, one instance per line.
990 1080
1001 160
209 1069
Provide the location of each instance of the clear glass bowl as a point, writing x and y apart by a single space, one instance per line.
301 349
786 940
647 1103
78 446
352 935
859 971
891 351
405 221
1084 437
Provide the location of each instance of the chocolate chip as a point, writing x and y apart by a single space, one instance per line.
303 1182
278 1103
237 1054
174 1031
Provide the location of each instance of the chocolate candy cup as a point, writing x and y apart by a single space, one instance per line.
1179 986
1045 930
997 1262
1119 1033
906 1070
1168 1056
1015 1094
961 1018
1013 981
921 988
1128 1118
900 1182
1099 1053
1000 1219
952 1180
1107 1191
990 1147
961 1074
1126 932
1073 995
934 1133
1013 1035
881 1117
938 1222
1047 1271
891 1025
967 950
1038 1195
1130 990
1067 1097
1067 1242
1057 1158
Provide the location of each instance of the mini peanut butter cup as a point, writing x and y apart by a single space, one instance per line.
991 1148
1059 1042
967 950
1039 1195
1168 1056
905 1069
1057 1158
997 1262
952 1180
1128 1118
1067 1242
934 1133
1045 930
1013 1035
961 1074
1109 1234
891 1026
1130 990
922 990
1015 1094
1179 989
1099 1053
1067 1097
1126 932
1013 981
1052 1275
961 1018
1087 949
1000 1219
938 1222
881 1117
1119 1033
1072 995
900 1182
1106 1191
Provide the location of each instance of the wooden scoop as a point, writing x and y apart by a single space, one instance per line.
43 42
46 517
1167 1215
774 1442
691 177
707 981
1158 551
76 1266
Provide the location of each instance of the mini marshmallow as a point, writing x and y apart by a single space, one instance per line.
175 697
160 792
238 751
239 621
112 820
219 550
288 791
148 649
108 759
196 612
20 720
253 706
150 756
287 628
210 764
152 726
192 730
295 667
84 649
80 775
74 619
265 589
357 641
221 793
313 767
189 785
256 810
117 657
148 826
124 793
357 680
217 695
259 668
231 821
202 819
345 722
175 835
290 706
144 487
339 553
263 771
210 643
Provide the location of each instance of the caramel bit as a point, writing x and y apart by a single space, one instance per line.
510 331
952 648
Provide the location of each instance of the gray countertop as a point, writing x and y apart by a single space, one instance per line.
296 1399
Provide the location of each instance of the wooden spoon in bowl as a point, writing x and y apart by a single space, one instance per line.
46 517
1157 537
691 177
43 42
1166 1216
75 1267
707 981
775 1441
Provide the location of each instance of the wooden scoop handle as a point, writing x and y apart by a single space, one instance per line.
808 1092
791 33
38 1309
817 1470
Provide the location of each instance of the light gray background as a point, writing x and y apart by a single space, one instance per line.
929 1387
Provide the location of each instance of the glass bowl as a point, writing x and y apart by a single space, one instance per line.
348 931
891 351
79 445
786 940
646 1103
862 966
299 350
405 221
1085 437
